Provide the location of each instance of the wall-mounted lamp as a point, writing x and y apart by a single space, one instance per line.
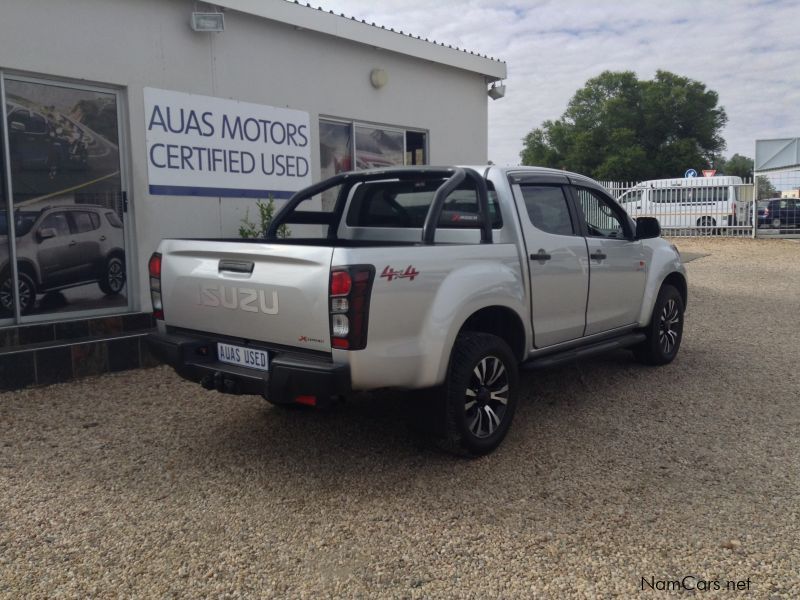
208 22
378 78
497 91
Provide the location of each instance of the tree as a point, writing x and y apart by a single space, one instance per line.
765 189
735 165
619 127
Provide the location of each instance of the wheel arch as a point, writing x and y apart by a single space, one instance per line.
678 281
25 266
501 321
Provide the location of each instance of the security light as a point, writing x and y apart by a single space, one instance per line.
208 21
497 91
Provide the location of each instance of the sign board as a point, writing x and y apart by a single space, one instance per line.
709 172
772 155
206 146
690 173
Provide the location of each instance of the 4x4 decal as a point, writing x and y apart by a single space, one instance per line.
391 274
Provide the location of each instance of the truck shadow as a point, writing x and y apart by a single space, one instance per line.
566 415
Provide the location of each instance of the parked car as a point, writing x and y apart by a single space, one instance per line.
778 213
438 278
61 247
37 143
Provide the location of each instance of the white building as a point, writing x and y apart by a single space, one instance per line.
123 122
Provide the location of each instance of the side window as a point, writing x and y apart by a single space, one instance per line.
634 196
462 204
548 209
602 220
57 221
83 222
113 220
95 220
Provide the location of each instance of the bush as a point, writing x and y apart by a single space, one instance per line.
266 212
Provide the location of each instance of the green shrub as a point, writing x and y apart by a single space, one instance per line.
266 212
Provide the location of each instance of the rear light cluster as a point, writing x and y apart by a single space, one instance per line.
349 306
154 266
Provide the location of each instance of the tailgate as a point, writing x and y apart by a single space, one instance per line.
270 293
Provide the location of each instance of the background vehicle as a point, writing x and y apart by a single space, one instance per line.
444 279
778 213
60 247
682 203
38 143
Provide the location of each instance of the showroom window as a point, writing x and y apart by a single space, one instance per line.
62 176
347 145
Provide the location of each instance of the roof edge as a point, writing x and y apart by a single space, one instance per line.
304 16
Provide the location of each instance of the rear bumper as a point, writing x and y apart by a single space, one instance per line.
291 376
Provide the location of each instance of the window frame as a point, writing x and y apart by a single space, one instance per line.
121 99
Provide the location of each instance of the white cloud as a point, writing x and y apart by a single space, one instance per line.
747 51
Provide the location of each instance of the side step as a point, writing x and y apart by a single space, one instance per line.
563 356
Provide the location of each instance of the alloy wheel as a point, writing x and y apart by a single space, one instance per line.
486 397
115 275
669 327
7 295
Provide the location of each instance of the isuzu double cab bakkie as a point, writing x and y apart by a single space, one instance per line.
441 279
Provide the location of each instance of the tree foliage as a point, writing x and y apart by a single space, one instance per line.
735 165
618 127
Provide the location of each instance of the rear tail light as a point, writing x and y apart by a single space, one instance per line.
350 289
154 266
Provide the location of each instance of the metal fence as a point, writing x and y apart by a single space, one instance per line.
777 210
719 206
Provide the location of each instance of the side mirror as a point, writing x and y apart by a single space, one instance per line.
17 126
647 227
45 233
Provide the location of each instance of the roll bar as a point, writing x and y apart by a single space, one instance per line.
455 176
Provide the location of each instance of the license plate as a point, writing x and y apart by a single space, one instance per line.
244 357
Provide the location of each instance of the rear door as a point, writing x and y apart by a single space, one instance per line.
87 238
617 267
557 261
272 293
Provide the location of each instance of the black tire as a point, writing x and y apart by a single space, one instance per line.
479 394
112 279
706 223
27 293
665 331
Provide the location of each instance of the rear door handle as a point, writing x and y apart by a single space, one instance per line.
598 256
541 256
73 243
102 238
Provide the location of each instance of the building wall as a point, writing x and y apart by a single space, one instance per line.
148 43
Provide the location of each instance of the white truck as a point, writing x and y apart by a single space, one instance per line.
446 279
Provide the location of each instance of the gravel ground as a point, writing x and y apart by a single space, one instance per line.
142 485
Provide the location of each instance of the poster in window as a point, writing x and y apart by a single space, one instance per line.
65 174
376 148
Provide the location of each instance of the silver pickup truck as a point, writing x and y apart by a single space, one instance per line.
441 279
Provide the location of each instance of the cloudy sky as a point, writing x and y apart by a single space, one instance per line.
747 51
